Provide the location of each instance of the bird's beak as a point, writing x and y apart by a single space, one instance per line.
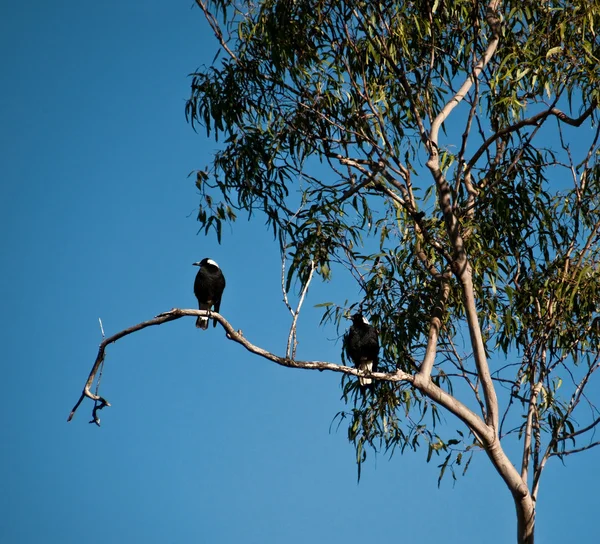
196 264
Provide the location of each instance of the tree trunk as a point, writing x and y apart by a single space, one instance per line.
525 519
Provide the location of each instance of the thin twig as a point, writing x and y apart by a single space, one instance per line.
95 418
216 28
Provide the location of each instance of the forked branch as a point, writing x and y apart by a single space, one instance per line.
290 351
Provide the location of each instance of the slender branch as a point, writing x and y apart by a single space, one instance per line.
528 431
216 29
577 450
494 23
464 374
463 148
434 329
290 351
535 120
580 431
483 369
286 301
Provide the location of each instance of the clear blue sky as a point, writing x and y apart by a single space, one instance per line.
204 442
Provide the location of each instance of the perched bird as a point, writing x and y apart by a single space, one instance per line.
208 288
362 346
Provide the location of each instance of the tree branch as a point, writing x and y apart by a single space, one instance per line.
210 18
434 328
290 351
533 120
423 383
528 431
561 454
578 432
232 334
494 23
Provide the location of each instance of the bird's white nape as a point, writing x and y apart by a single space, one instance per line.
211 262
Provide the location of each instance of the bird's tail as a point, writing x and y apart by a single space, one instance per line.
202 322
368 367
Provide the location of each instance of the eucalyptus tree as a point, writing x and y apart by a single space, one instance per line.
445 156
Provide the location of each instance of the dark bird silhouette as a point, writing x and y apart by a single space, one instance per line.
208 288
362 346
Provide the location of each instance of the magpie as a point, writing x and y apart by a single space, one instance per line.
208 288
362 346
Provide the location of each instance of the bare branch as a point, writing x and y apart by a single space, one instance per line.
232 334
290 351
158 320
494 23
283 291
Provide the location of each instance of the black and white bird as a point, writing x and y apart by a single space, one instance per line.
362 346
208 288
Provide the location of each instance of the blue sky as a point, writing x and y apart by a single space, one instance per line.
203 442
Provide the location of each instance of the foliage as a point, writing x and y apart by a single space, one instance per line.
330 114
